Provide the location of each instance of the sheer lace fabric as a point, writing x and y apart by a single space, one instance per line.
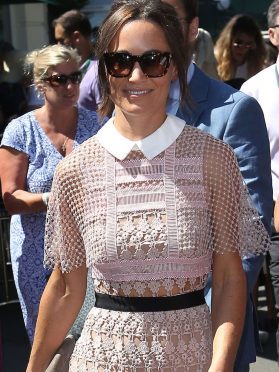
170 341
149 228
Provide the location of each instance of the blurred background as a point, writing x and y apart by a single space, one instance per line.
26 25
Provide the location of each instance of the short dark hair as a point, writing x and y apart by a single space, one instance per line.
272 13
156 11
72 21
191 7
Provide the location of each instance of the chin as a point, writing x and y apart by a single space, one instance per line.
134 110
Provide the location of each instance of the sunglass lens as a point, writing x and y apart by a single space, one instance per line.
118 64
56 80
155 64
75 77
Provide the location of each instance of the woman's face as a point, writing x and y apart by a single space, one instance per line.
241 45
138 94
62 88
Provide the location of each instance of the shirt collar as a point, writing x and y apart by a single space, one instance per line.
151 146
84 67
174 92
277 65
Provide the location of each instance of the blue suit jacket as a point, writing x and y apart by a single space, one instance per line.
238 120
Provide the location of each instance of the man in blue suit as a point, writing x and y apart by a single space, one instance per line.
238 120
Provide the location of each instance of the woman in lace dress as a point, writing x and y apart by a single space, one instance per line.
152 206
31 148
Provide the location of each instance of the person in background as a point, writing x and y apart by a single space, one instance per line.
127 205
240 50
238 120
273 23
31 148
273 267
264 87
73 29
12 95
204 53
271 53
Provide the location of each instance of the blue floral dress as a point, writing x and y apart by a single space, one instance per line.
27 230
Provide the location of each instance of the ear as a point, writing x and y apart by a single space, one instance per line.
40 87
193 29
273 37
76 36
174 73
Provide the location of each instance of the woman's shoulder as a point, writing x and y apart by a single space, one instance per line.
86 154
85 114
23 121
195 140
19 128
88 121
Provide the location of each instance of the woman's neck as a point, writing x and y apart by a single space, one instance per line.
62 121
137 127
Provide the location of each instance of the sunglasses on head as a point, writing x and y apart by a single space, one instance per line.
152 64
61 79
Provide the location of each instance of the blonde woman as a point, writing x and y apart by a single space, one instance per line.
31 148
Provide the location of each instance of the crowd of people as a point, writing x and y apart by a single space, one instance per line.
148 168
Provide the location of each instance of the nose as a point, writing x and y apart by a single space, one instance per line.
137 73
70 84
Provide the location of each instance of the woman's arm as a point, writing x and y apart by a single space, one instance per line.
59 307
13 172
276 215
228 309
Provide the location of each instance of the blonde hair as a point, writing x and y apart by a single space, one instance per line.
40 61
223 49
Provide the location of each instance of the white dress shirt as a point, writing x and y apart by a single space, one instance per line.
264 86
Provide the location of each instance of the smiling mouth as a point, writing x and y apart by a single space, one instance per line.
138 92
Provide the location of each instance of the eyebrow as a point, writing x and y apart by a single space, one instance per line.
128 52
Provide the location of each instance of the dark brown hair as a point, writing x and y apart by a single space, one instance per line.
160 13
72 21
191 8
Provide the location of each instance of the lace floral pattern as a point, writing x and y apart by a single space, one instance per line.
149 228
170 341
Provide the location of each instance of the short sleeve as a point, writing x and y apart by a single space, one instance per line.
236 225
15 136
64 246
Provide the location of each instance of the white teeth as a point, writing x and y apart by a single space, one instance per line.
137 92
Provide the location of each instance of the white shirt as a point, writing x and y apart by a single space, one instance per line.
242 71
119 146
264 86
174 92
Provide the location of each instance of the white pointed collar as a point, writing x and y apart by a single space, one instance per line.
119 146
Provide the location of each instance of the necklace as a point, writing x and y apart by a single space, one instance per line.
63 147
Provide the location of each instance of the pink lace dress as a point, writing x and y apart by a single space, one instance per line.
149 228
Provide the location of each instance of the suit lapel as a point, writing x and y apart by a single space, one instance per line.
198 90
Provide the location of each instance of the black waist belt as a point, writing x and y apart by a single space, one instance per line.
149 304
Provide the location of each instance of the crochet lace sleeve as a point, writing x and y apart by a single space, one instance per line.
236 225
64 246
